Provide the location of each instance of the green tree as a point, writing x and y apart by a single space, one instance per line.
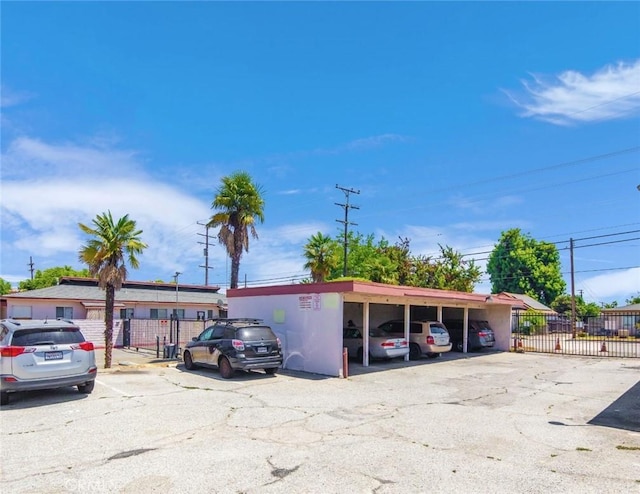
610 305
240 204
382 269
322 255
49 277
590 310
393 264
449 272
360 258
105 255
562 305
531 322
633 300
5 286
521 264
399 256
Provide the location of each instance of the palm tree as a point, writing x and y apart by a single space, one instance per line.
240 204
322 256
105 256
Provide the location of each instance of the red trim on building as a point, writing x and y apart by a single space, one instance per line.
365 288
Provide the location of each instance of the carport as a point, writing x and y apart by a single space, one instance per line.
309 318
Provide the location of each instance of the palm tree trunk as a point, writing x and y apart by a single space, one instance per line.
235 257
235 270
108 320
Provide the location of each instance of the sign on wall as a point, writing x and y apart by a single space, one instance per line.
309 302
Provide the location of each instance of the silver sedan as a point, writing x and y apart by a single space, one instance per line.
381 344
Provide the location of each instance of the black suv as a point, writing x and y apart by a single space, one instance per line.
480 334
235 344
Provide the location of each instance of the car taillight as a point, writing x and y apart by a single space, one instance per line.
430 340
403 343
385 344
14 351
482 334
238 345
87 346
279 342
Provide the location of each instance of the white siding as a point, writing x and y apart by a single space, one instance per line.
309 326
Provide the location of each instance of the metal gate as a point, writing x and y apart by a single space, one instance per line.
155 334
610 334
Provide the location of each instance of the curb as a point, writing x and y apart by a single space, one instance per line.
127 365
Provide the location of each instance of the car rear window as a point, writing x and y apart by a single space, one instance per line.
416 328
438 329
484 325
48 336
377 332
255 333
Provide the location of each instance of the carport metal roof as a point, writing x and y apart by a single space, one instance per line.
367 291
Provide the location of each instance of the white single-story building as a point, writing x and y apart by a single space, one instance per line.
82 298
309 318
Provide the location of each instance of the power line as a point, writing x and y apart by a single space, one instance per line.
604 103
606 243
562 242
579 271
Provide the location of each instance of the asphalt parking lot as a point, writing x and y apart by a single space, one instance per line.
488 423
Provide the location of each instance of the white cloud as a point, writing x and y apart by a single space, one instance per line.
33 159
372 142
610 93
47 189
278 254
481 205
618 286
9 97
357 145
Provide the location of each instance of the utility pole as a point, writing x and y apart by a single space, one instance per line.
345 222
175 316
206 252
573 293
175 278
31 266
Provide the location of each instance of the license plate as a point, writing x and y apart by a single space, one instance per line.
262 349
53 355
397 344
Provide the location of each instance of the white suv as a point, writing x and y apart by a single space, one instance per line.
44 354
429 338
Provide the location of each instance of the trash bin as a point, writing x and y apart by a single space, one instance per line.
169 350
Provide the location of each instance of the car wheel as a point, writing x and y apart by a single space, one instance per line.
414 351
460 346
87 387
226 371
271 370
4 398
188 361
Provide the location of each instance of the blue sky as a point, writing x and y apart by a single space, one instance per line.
455 121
